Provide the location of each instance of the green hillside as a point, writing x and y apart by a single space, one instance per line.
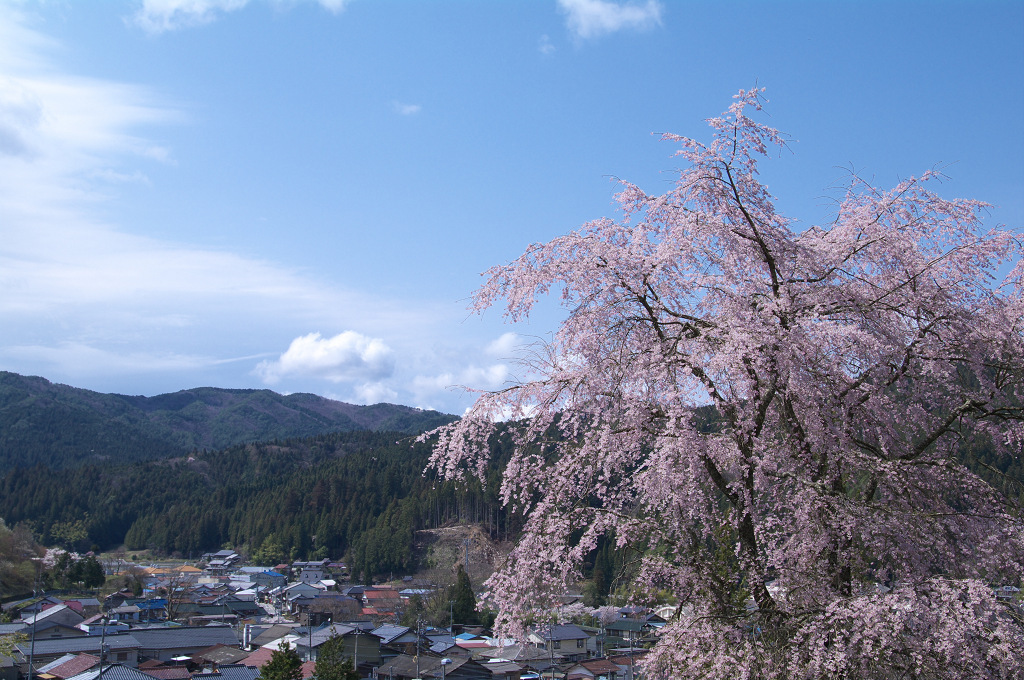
360 494
60 426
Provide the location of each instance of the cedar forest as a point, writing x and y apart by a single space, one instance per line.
356 494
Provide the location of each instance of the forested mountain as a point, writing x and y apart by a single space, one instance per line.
360 494
61 426
143 472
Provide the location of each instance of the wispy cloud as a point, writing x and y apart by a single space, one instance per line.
545 45
159 16
101 304
114 177
77 290
594 18
407 109
76 358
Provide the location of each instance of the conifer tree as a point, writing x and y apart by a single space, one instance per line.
463 599
284 664
331 662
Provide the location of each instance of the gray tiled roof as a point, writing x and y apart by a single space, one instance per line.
230 672
562 632
86 643
52 611
275 632
173 638
442 646
324 634
113 672
429 666
388 632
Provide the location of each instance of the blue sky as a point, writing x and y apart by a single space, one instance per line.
301 195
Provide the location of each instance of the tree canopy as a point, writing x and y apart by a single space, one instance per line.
774 419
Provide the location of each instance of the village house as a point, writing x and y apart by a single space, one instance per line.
119 648
594 669
406 667
358 645
221 562
69 665
567 639
61 614
311 572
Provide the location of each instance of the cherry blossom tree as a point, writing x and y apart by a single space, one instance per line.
774 419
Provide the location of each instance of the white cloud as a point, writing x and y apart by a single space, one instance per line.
546 46
407 109
348 356
333 5
594 18
474 377
375 393
505 346
159 16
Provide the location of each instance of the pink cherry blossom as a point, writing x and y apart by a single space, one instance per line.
772 422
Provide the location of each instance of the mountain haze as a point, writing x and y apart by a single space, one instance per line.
61 426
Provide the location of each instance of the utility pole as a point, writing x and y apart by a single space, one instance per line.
418 624
103 644
630 655
551 649
32 649
32 646
309 626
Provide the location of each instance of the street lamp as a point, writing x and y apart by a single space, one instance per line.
444 664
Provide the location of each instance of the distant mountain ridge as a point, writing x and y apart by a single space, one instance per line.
60 426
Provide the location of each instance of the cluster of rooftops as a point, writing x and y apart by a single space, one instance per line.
225 621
